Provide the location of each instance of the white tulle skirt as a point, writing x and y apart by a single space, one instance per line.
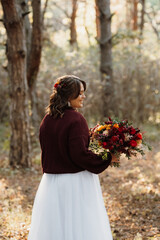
69 207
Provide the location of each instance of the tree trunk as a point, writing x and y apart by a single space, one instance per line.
27 27
106 56
135 15
128 14
16 54
97 20
142 16
34 58
73 32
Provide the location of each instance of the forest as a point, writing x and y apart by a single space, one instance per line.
114 46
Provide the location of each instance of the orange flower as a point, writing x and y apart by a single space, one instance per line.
99 143
116 125
101 127
108 126
139 142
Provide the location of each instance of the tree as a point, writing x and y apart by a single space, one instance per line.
97 21
24 46
132 14
72 20
73 32
135 15
34 47
143 2
34 56
105 43
153 17
18 89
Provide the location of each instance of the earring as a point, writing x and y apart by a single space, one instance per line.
69 104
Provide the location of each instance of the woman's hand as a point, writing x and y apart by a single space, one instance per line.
115 159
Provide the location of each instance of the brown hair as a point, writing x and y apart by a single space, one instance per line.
66 88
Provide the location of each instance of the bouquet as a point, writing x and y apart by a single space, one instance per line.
117 137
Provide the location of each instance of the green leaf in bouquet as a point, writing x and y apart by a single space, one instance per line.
115 164
146 144
105 155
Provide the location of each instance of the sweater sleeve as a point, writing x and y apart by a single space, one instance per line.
79 152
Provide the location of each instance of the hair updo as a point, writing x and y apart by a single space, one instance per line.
67 87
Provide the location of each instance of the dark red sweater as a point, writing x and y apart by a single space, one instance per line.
64 144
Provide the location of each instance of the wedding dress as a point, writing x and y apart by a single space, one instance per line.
69 206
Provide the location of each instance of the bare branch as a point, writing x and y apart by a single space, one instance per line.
153 26
44 11
64 11
26 13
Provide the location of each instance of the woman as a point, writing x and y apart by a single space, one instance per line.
69 203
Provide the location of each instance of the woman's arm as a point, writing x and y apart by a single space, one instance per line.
79 152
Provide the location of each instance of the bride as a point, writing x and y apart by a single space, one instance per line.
69 203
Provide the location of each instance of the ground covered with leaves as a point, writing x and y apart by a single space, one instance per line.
131 195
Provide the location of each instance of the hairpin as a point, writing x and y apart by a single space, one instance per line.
56 84
59 84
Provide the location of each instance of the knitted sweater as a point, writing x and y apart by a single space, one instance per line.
64 144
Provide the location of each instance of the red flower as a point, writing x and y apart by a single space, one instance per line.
122 136
109 122
132 131
133 143
139 135
120 129
121 141
111 147
104 145
114 138
56 85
